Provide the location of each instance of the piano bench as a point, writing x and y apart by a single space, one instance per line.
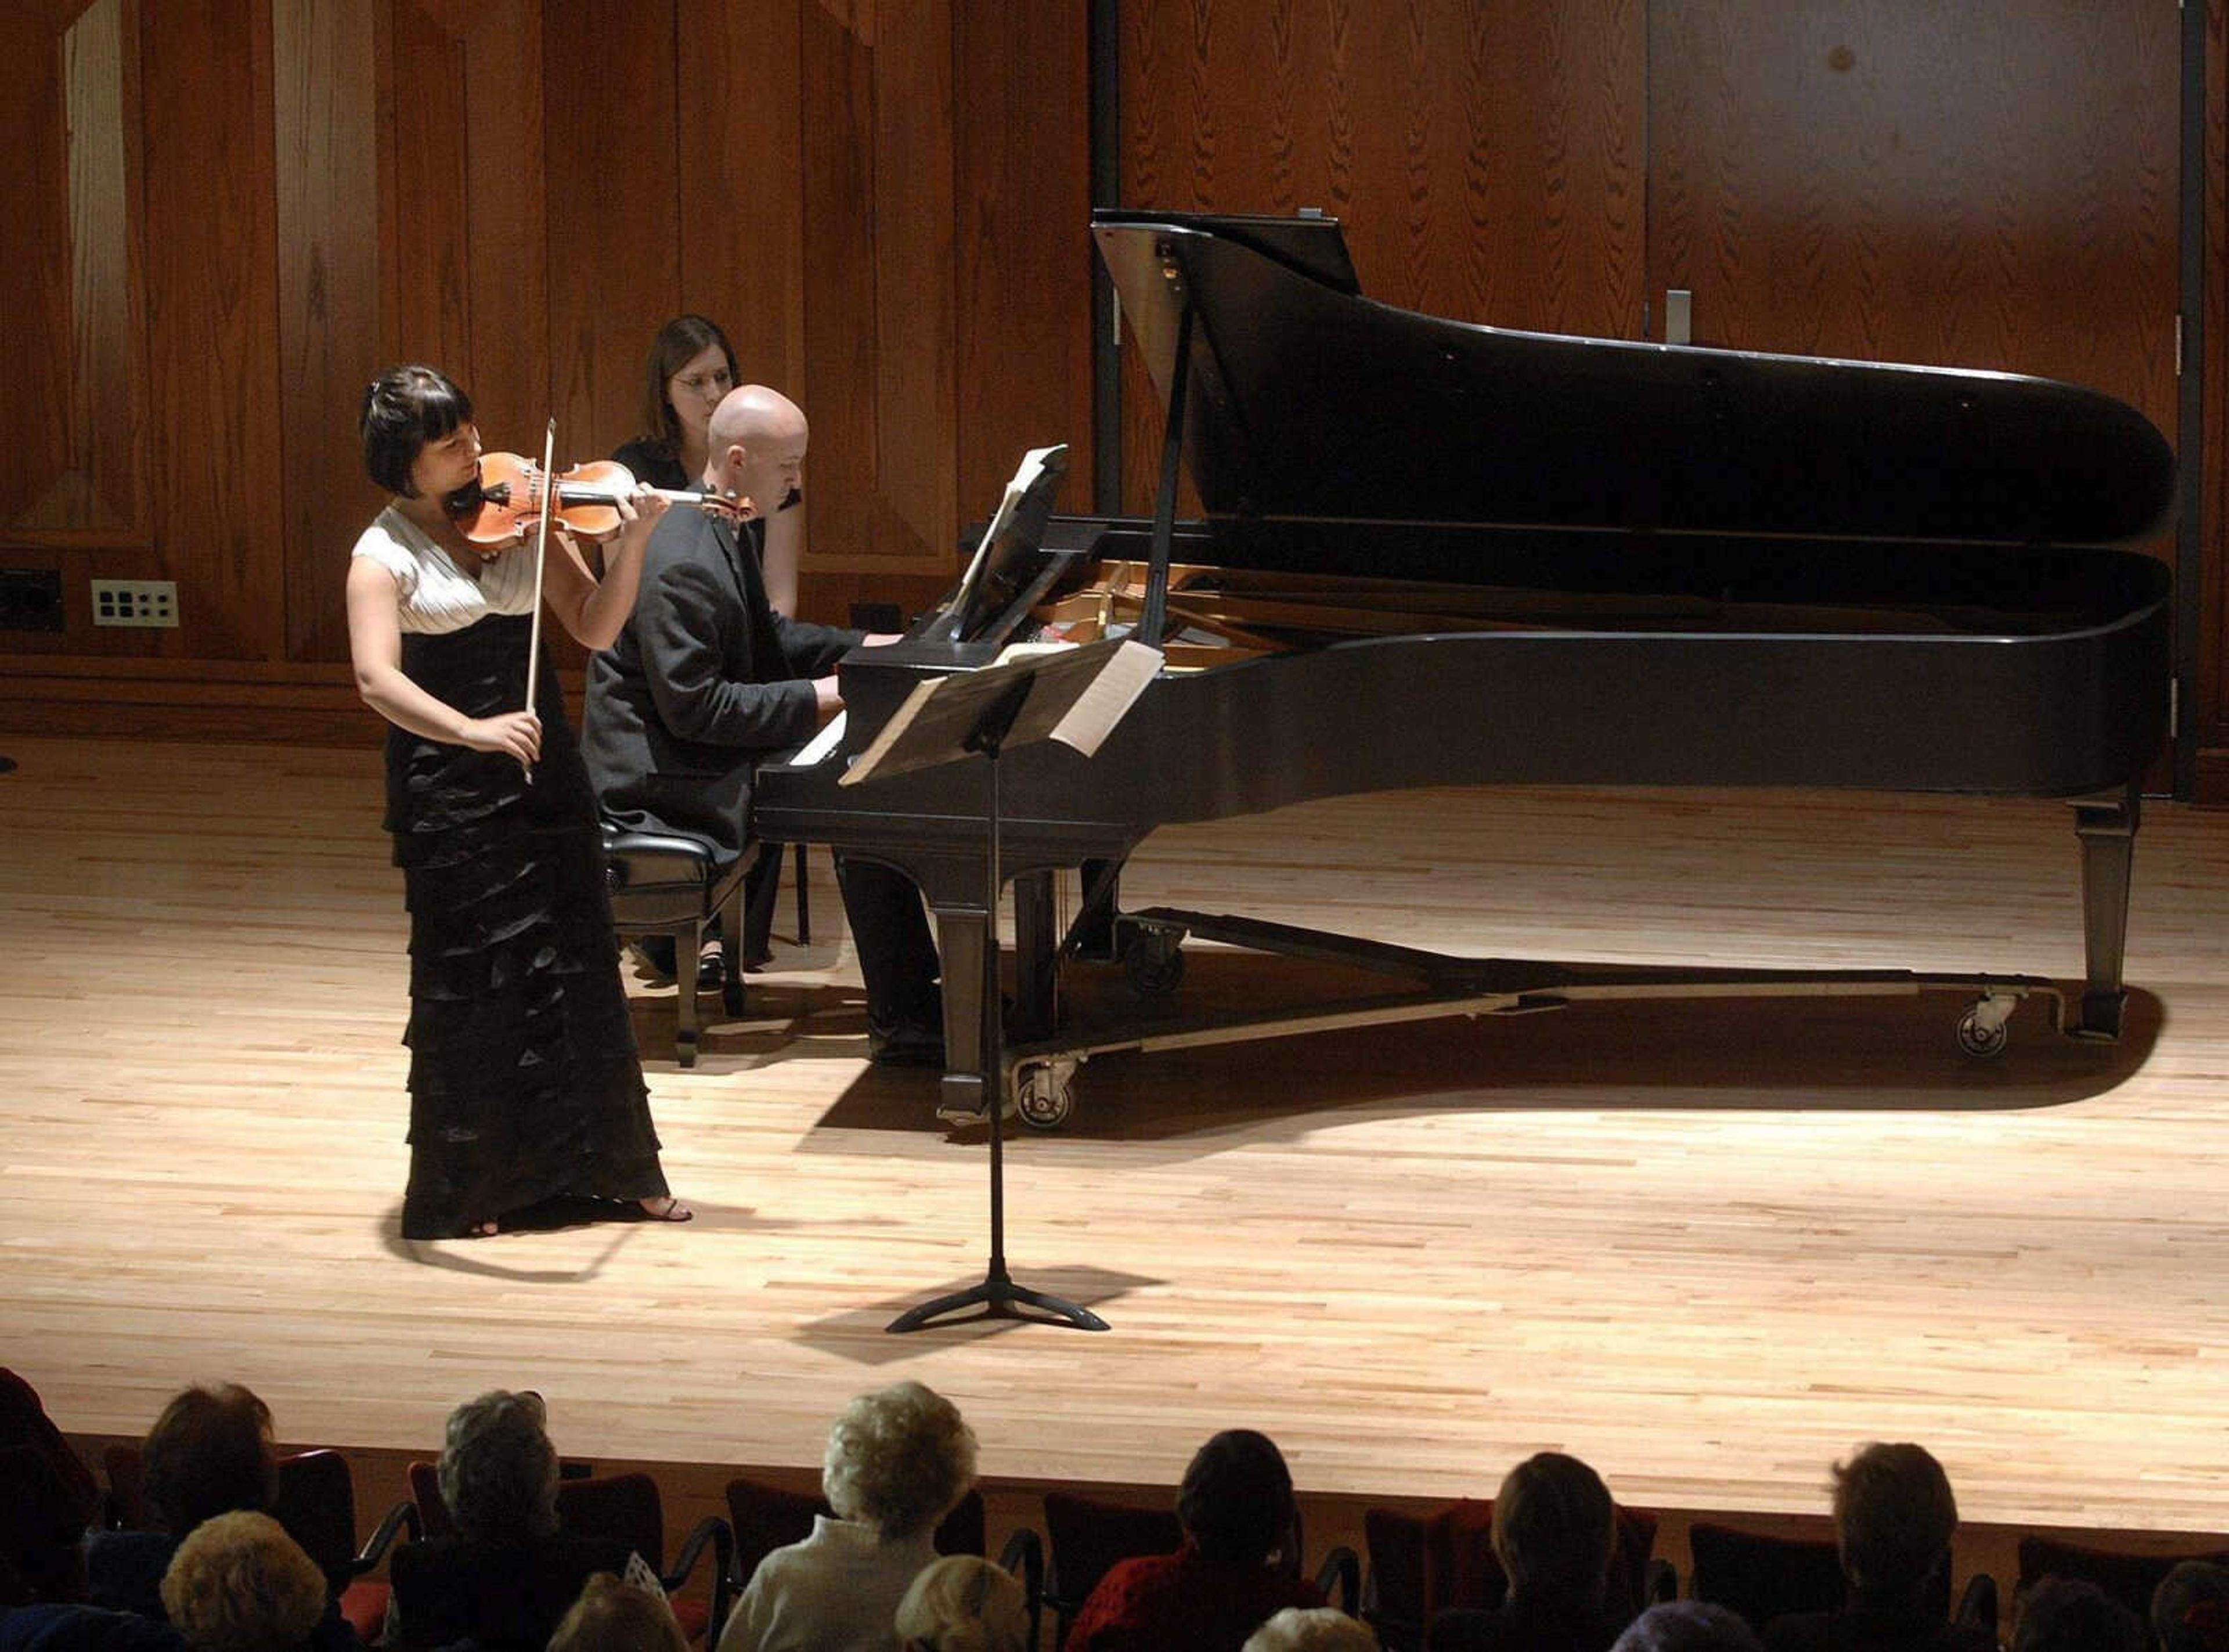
663 883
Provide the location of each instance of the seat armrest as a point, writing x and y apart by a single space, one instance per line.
712 1532
404 1516
1024 1556
1341 1570
1977 1607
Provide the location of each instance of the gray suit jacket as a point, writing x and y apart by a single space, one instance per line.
704 680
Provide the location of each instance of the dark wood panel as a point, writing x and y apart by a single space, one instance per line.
874 266
837 66
1964 183
426 191
213 368
1023 168
2212 681
613 214
324 54
914 312
1484 161
510 248
741 182
34 323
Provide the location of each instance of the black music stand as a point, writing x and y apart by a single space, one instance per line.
1076 696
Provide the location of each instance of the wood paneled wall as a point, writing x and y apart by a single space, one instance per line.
1485 161
1970 183
885 204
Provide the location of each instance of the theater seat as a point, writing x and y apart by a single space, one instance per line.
627 1509
2128 1578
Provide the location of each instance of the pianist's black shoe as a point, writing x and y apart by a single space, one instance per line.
905 1044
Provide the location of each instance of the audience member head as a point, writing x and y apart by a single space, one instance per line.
210 1452
1555 1527
898 1459
2190 1609
41 1524
1321 1629
1688 1626
963 1603
1894 1517
239 1584
756 446
691 366
614 1615
499 1469
1236 1502
405 410
2059 1615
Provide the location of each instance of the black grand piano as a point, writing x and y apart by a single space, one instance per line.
1436 554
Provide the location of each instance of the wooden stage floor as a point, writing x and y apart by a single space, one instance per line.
1708 1247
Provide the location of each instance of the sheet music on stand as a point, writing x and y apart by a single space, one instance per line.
1076 696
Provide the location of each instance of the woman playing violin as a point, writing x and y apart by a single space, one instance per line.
525 1084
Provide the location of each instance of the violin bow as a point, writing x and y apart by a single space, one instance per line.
541 550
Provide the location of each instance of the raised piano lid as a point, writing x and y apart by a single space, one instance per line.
1307 400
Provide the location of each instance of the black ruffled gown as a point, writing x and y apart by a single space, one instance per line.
524 1080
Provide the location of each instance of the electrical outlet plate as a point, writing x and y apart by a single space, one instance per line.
135 602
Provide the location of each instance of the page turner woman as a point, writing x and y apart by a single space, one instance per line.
525 1084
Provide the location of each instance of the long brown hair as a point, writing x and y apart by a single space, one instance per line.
678 342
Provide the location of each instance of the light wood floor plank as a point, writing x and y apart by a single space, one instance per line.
1708 1247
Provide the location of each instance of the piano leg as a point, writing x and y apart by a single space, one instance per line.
2107 827
1036 1004
960 941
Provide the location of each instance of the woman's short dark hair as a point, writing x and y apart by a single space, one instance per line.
2190 1608
1554 1526
2057 1614
404 408
1236 1504
1894 1516
208 1453
678 341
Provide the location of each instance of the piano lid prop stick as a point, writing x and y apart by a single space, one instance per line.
1153 620
541 550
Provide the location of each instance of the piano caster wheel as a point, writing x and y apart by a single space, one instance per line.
1045 1094
1154 962
1982 1032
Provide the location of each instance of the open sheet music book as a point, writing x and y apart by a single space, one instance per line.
1040 470
1077 694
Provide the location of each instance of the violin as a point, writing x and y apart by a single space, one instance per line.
501 507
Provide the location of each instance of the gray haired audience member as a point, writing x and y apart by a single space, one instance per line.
615 1616
239 1584
1688 1626
499 1470
2190 1609
1318 1628
508 1575
1894 1518
898 1460
1555 1532
964 1603
2060 1614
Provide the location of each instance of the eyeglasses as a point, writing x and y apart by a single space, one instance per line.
699 383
